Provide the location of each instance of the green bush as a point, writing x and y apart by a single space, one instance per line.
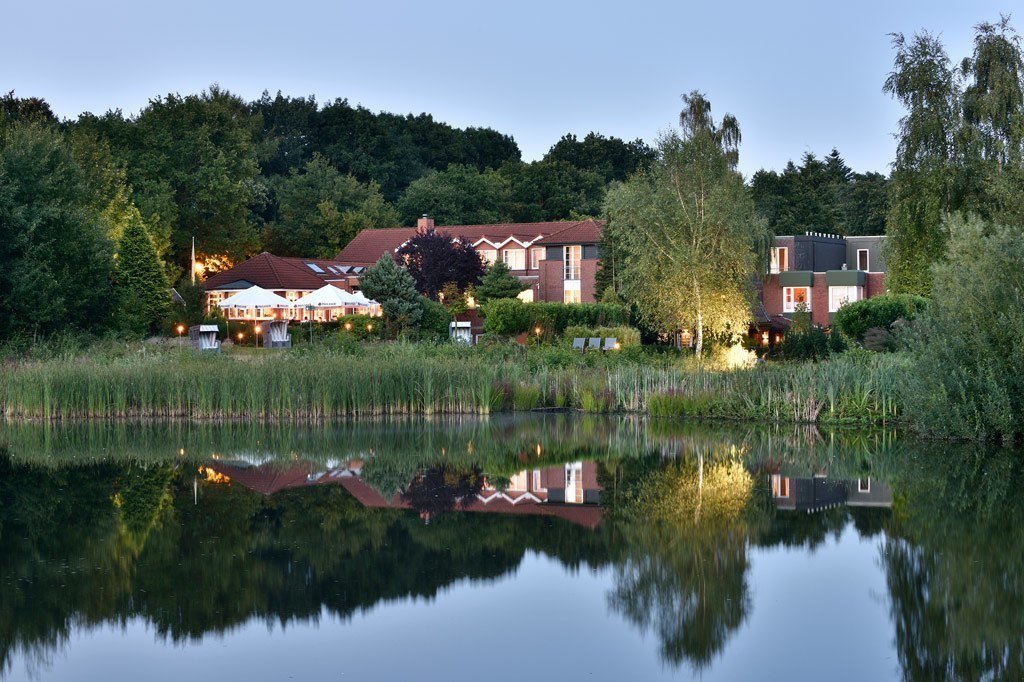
968 346
855 319
506 316
626 336
435 320
525 398
513 316
813 344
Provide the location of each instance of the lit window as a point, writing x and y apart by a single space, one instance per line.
780 486
572 295
515 259
840 296
780 259
572 256
489 255
536 256
764 338
794 296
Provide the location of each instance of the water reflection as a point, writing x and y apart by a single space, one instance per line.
198 531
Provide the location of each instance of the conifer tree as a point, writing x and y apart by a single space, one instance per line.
143 296
497 282
395 290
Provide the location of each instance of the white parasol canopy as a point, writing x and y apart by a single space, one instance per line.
255 297
329 296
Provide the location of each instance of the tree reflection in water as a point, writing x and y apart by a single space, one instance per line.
683 572
86 545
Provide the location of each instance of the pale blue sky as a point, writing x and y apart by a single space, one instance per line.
799 75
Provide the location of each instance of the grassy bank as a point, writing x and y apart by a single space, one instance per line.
401 379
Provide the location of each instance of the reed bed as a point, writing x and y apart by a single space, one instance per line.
407 379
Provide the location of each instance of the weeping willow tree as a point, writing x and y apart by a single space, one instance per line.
689 239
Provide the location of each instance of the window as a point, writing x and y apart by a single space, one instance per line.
780 259
840 296
863 260
571 256
792 297
526 295
489 256
515 259
864 485
780 486
315 268
572 292
537 487
536 256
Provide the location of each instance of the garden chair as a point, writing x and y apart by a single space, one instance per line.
578 344
610 343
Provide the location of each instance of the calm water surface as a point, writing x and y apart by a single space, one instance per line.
560 547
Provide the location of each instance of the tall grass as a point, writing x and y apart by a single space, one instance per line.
403 379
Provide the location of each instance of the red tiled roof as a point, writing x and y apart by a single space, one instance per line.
370 245
584 232
276 273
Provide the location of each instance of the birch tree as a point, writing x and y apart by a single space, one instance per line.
691 242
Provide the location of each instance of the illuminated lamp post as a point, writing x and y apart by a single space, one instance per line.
181 329
240 337
258 329
309 309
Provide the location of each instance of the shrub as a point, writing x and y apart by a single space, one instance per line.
878 340
434 321
813 344
968 346
855 319
626 336
506 316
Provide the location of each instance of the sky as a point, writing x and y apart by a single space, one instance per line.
799 76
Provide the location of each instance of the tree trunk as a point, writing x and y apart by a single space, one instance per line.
700 335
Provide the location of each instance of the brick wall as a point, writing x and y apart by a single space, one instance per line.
875 285
819 300
771 294
588 285
551 278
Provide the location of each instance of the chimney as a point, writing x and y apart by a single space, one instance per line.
424 223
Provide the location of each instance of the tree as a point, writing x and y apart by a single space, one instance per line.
968 346
193 167
435 259
690 238
924 184
552 190
319 211
459 195
821 196
498 282
610 157
55 254
142 293
395 290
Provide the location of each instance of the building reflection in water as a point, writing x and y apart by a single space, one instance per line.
570 491
818 493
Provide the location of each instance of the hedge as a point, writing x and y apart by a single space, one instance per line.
513 316
854 319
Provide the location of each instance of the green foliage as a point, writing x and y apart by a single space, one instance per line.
821 195
498 282
319 211
434 320
552 190
395 290
507 316
688 268
193 167
856 318
143 297
813 344
610 157
968 346
458 195
625 336
513 316
55 254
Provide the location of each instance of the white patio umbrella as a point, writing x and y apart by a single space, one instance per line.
255 297
328 296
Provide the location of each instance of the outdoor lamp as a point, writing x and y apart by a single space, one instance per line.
369 327
348 326
240 335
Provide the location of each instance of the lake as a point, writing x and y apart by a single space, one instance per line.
559 546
